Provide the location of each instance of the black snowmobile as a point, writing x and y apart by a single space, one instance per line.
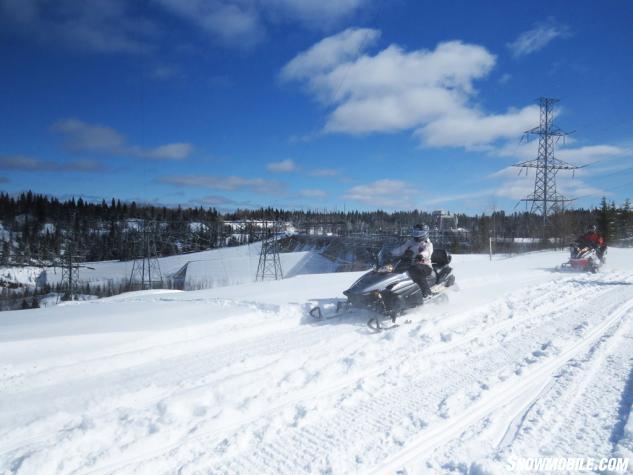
388 290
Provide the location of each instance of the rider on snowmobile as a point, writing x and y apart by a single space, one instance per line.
421 248
592 238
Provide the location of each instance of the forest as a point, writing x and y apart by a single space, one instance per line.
37 227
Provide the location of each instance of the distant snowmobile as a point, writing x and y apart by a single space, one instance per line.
388 290
583 259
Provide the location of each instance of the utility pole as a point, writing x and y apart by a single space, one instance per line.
269 265
545 199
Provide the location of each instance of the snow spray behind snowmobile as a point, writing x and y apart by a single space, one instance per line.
388 290
583 259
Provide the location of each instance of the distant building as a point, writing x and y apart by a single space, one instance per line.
444 220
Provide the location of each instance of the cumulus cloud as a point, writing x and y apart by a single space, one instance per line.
101 26
84 137
539 36
329 53
473 128
385 193
30 164
283 166
226 183
393 90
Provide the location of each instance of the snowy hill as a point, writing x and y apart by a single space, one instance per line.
521 362
207 269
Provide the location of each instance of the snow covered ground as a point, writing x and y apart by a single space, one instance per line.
206 269
521 362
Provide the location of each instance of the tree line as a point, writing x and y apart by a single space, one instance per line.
36 226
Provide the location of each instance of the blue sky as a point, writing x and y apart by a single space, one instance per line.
356 104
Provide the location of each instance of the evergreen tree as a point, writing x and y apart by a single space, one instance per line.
606 220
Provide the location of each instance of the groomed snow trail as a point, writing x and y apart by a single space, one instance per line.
522 362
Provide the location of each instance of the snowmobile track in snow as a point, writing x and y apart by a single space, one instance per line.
378 414
286 394
505 393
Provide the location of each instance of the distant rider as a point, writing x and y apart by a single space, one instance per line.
421 248
592 238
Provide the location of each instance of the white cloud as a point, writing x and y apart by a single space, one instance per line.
102 26
515 186
214 200
584 155
226 183
386 193
283 166
430 92
163 72
313 13
234 23
518 187
172 151
243 23
538 37
458 197
325 172
505 78
84 137
474 129
313 193
122 26
592 153
30 164
329 53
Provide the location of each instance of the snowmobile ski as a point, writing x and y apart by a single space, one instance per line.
388 322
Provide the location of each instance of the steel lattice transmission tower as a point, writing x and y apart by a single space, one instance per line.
69 263
269 265
146 272
70 273
545 199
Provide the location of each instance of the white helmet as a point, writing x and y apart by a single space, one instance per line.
420 232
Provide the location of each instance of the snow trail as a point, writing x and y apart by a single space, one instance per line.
241 380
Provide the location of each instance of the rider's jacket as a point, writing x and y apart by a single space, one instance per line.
422 250
592 239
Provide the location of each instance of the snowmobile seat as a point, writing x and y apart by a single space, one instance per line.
440 258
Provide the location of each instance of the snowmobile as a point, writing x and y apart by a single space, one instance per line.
583 258
388 290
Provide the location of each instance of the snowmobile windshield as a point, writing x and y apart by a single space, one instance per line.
387 262
385 257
